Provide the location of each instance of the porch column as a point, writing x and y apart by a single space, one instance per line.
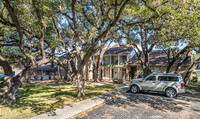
91 68
52 76
118 73
102 60
102 72
118 59
58 74
118 68
110 72
127 73
110 59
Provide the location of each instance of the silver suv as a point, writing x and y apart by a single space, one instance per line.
169 84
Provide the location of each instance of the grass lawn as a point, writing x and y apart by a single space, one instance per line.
193 87
35 99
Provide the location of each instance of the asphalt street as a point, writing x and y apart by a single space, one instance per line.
147 106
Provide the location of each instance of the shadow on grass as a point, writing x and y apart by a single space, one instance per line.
64 93
193 87
101 87
41 98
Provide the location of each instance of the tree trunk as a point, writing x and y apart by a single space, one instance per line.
96 71
99 61
8 72
188 74
180 64
58 73
81 84
29 76
174 58
169 67
186 79
146 70
145 51
9 94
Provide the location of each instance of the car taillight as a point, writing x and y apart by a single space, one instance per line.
182 85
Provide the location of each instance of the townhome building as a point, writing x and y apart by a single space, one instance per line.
119 62
114 62
158 63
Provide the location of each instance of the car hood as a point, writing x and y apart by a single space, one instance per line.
137 79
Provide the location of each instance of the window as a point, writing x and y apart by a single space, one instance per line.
171 78
112 60
112 73
156 70
124 59
162 78
151 78
167 78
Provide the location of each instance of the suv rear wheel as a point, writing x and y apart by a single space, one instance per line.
134 89
170 92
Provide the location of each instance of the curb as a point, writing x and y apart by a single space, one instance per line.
79 107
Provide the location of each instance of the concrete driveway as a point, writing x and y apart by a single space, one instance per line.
147 106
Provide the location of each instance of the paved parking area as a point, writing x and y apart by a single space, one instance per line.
147 106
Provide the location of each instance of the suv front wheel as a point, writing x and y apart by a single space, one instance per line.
170 92
134 89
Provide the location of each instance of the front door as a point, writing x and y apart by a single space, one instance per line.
133 72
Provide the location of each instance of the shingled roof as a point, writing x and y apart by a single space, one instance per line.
71 54
117 49
158 58
47 68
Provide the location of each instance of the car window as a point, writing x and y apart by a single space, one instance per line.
151 78
172 78
162 78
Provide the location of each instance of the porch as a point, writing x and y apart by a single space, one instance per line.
114 73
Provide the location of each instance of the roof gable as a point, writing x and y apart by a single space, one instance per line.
119 49
47 68
157 58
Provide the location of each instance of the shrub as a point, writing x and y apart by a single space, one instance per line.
1 82
117 81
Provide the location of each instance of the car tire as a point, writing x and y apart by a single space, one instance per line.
170 92
134 89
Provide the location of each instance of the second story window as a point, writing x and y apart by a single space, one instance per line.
124 59
112 59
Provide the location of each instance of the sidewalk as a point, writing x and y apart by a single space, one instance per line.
81 106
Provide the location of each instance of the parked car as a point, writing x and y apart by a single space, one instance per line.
168 84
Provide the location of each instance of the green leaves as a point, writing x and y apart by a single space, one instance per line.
164 20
